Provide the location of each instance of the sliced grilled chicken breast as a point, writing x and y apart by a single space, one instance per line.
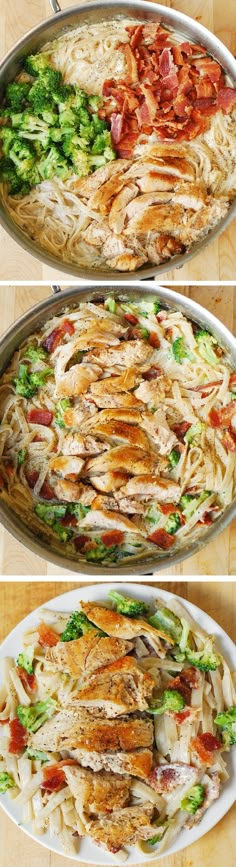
115 689
97 793
149 486
137 763
123 827
86 654
125 627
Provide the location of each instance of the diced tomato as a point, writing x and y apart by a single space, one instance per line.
152 373
80 541
229 441
130 318
55 338
162 539
181 429
222 417
39 416
204 745
47 636
154 340
112 537
28 680
18 736
46 492
32 478
181 716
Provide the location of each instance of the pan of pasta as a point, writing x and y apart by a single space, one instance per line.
118 428
117 139
118 721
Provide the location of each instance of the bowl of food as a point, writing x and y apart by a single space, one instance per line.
117 718
117 139
117 428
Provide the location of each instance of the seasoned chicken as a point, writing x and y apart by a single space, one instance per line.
154 180
157 427
97 793
116 216
114 384
66 466
53 733
123 827
126 504
126 458
76 444
121 733
104 519
137 763
115 689
76 380
127 261
117 400
124 627
157 218
121 432
154 391
87 186
84 655
130 416
81 413
110 481
74 492
149 486
126 354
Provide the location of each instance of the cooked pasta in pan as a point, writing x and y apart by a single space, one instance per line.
118 431
115 723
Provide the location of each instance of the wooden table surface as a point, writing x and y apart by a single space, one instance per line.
215 263
217 558
216 847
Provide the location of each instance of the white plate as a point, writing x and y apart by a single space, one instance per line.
88 851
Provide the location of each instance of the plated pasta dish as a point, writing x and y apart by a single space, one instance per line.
115 725
118 431
118 145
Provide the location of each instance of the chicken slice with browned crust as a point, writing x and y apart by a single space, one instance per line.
118 624
104 520
108 482
123 827
115 689
151 486
74 492
97 793
137 763
87 653
127 354
78 729
127 458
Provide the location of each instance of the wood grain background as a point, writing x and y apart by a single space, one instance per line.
217 558
215 848
215 263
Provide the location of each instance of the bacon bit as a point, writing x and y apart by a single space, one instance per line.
185 681
229 441
169 509
47 636
161 538
18 736
32 478
222 417
181 716
204 745
181 429
39 416
112 537
80 541
68 521
136 36
132 71
46 492
10 470
152 373
130 318
55 338
153 340
28 680
232 381
53 779
3 722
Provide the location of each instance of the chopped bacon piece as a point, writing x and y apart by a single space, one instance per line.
53 779
136 36
46 492
181 716
32 478
28 680
229 441
154 340
204 88
39 416
222 417
226 98
47 636
185 681
69 521
117 127
3 722
152 373
181 429
130 318
132 71
80 541
18 736
112 537
166 63
55 338
161 538
204 745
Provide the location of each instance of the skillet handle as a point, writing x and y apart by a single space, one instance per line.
55 6
55 289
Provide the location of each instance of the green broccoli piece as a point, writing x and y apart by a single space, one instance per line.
39 97
81 163
35 353
160 834
193 435
226 720
64 533
37 755
16 94
34 129
206 343
98 124
127 606
110 304
171 700
53 163
35 715
94 102
102 141
189 503
61 406
20 153
27 384
8 173
193 800
21 457
36 63
153 515
25 659
77 625
101 552
79 510
206 659
172 524
179 350
174 458
50 512
168 621
6 782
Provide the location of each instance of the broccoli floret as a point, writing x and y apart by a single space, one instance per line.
61 406
36 63
193 435
206 659
110 304
17 93
160 834
168 621
193 800
174 458
172 524
153 514
35 353
126 605
226 720
6 782
64 533
34 716
34 129
50 513
77 625
53 163
25 659
81 163
206 343
101 552
98 124
189 503
94 102
102 142
39 97
27 384
20 153
21 457
171 700
180 352
79 510
37 755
